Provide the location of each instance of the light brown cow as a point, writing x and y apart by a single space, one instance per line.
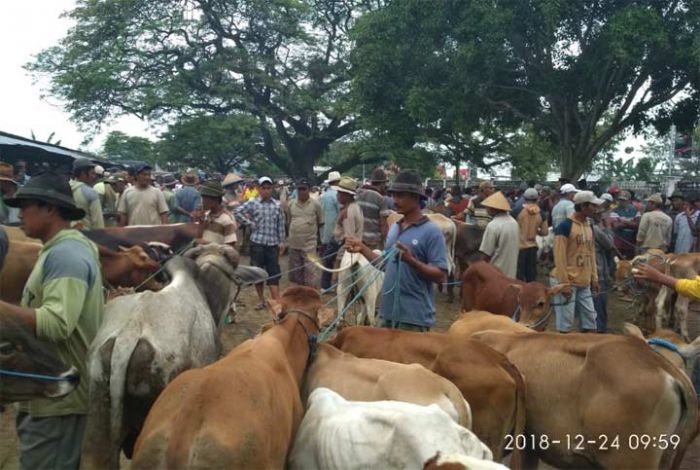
16 234
603 401
361 379
682 266
679 353
19 262
243 410
485 287
474 321
491 385
645 293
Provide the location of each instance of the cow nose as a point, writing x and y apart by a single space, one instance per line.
71 375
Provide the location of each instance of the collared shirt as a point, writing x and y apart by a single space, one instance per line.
305 219
374 208
87 199
684 233
406 296
220 228
265 218
331 208
65 289
501 242
562 211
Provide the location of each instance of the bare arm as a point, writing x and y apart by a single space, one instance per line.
23 314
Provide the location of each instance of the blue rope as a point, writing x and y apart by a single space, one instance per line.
379 266
28 375
664 344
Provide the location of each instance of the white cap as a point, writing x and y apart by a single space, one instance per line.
99 170
587 196
606 197
568 188
264 179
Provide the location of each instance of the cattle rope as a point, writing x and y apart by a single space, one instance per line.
162 266
28 375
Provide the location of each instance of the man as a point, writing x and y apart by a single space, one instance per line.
350 222
655 227
500 243
408 297
265 217
684 226
374 210
605 254
458 204
330 207
8 187
142 204
188 202
306 217
218 225
677 203
625 222
230 184
565 207
85 197
21 175
575 266
531 224
476 213
166 188
63 304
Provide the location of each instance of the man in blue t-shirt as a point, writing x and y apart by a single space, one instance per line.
408 296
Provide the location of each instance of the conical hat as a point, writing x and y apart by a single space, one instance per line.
497 201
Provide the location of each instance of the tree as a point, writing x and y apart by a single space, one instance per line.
49 139
219 143
581 71
283 62
120 146
530 155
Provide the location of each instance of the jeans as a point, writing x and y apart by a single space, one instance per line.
527 264
328 262
580 305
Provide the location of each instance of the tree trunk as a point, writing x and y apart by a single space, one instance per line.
573 164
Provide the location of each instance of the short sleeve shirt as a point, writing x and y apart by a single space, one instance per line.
373 207
305 220
349 225
407 297
143 206
501 242
220 229
189 199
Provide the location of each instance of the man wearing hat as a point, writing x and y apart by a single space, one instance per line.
305 220
86 198
265 217
655 227
62 304
575 273
501 240
188 202
531 224
142 204
350 222
230 185
625 220
563 209
408 296
218 224
686 227
330 208
8 187
476 212
166 187
677 202
374 210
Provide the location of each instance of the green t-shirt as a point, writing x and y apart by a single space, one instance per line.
88 200
65 290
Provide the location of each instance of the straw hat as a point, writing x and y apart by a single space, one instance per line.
497 201
333 177
211 188
347 185
7 173
189 179
230 179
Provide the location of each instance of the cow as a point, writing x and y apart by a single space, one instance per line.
591 398
645 293
358 379
338 433
16 234
4 246
491 385
242 411
681 266
459 462
670 345
545 249
147 339
485 287
478 320
19 262
176 236
22 353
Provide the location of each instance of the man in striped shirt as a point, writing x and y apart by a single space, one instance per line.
265 217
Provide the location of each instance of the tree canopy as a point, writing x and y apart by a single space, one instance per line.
120 146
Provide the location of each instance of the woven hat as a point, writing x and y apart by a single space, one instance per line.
347 185
497 201
211 188
655 198
7 173
49 188
189 179
169 181
333 176
230 179
408 181
378 176
486 185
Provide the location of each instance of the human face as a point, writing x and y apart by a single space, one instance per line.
406 202
677 203
89 177
35 218
7 188
143 179
487 191
210 203
588 209
303 193
265 191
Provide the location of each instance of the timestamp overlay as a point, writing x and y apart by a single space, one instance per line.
580 442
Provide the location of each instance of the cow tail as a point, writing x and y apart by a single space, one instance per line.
687 427
452 250
121 355
516 460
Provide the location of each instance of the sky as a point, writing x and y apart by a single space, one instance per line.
29 26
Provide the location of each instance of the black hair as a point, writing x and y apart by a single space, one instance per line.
63 212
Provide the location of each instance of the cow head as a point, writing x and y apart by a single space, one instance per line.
21 352
141 265
533 299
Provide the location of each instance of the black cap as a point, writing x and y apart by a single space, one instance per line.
142 167
303 183
52 189
82 163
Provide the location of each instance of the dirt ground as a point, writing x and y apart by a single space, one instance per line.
248 324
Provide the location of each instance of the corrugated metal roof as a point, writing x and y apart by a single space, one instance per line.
11 139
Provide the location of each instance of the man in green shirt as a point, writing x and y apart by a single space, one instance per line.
63 304
85 197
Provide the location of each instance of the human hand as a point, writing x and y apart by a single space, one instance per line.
353 245
282 248
646 272
595 287
405 254
566 292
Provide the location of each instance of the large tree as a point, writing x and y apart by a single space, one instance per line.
582 71
120 146
280 61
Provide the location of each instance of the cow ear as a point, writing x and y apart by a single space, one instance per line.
629 329
275 307
552 291
515 289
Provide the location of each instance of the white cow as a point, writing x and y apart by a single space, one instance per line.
354 268
340 434
446 226
148 338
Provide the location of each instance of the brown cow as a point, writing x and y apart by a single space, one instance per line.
485 287
242 411
679 352
489 382
682 266
474 321
593 400
18 265
645 293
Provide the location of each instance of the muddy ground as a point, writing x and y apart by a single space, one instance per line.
248 324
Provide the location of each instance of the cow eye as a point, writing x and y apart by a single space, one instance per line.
7 348
540 303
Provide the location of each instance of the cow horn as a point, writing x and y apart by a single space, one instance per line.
244 275
232 255
630 329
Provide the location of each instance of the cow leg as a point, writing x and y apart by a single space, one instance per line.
450 287
681 310
661 308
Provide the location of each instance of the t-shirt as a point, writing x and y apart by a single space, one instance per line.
374 208
531 224
65 289
305 219
87 199
627 213
220 228
501 242
189 199
655 230
407 297
142 206
350 223
331 207
574 254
